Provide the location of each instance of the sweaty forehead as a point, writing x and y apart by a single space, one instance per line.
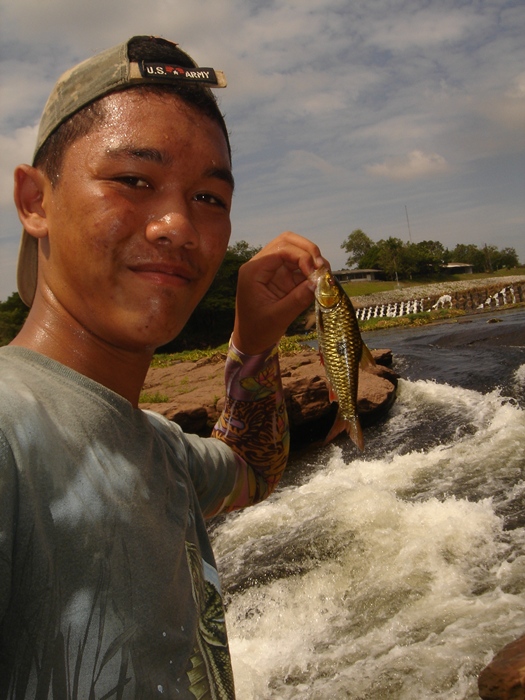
143 115
139 100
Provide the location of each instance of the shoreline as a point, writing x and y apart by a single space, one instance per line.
430 290
458 312
425 318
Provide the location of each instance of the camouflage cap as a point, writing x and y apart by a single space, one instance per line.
102 74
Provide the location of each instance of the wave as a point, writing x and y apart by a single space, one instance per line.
395 575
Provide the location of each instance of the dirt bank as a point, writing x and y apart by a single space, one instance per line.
430 290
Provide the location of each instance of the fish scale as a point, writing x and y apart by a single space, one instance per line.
339 345
342 351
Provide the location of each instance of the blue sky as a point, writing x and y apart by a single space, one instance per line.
342 112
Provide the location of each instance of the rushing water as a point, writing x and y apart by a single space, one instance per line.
398 573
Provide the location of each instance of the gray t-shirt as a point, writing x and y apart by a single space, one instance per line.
108 585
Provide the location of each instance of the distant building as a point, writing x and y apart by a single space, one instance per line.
458 268
357 275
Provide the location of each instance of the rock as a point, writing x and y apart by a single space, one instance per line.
195 392
306 390
504 677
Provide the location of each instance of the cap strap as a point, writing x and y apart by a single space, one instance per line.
155 70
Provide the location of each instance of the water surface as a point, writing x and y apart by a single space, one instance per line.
398 573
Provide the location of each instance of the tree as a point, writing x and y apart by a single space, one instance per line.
508 258
491 254
471 255
392 258
357 245
370 261
13 313
405 260
243 250
426 257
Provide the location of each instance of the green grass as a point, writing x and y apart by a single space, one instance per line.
166 360
361 289
421 319
157 397
291 344
288 346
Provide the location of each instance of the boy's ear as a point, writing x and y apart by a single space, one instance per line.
30 184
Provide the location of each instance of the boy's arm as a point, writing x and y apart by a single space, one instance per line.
273 289
254 424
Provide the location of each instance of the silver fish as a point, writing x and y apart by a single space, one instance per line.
342 351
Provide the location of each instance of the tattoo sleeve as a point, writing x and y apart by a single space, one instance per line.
254 424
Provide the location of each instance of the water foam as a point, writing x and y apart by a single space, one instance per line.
384 578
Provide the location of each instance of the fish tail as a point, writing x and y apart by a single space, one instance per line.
352 427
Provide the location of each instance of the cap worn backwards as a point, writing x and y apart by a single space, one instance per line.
107 72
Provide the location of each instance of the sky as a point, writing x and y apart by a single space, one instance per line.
401 118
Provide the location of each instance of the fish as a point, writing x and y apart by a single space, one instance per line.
342 352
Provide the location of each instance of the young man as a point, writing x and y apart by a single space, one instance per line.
108 586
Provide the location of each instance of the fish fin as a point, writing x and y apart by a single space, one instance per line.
352 427
310 320
332 394
367 359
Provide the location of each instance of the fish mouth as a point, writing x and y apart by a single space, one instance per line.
327 293
317 274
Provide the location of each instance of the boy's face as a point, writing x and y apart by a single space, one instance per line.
139 220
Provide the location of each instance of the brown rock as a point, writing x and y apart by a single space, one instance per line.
193 392
504 677
376 391
190 391
306 389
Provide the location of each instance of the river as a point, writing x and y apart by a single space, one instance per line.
395 574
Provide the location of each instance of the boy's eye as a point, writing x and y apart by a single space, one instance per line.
132 181
210 199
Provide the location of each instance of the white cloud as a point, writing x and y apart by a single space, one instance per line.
15 148
427 28
517 88
340 112
508 109
305 165
415 164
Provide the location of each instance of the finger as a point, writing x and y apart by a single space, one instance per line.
296 251
302 252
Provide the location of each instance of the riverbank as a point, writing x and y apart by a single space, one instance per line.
192 393
433 289
420 305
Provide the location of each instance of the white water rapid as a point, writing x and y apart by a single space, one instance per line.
392 575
